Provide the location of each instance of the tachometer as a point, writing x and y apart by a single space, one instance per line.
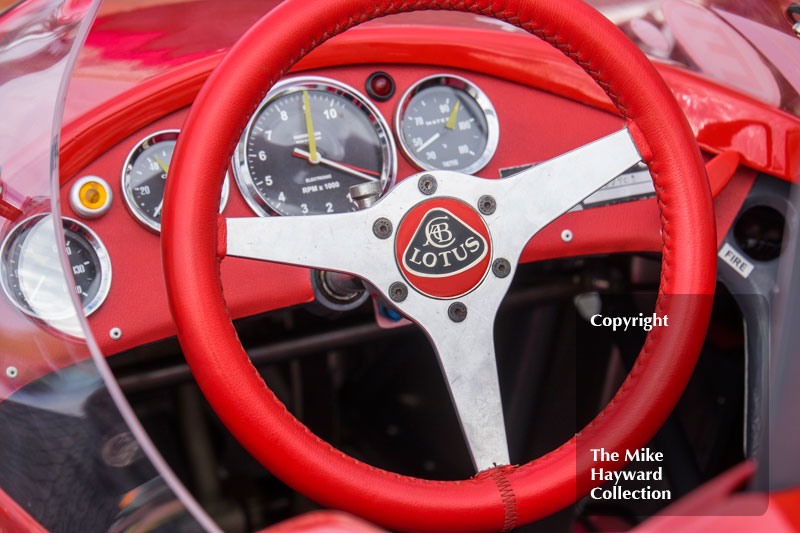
310 140
445 122
144 177
31 273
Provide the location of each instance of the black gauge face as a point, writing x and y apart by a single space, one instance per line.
446 123
144 177
85 265
31 270
148 177
281 168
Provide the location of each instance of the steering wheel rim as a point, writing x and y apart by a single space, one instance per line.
193 242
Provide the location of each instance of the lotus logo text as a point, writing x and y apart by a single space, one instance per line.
443 245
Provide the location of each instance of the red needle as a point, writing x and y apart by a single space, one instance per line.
304 155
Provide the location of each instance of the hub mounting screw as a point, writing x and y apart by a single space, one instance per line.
457 312
501 267
487 204
382 228
427 184
398 291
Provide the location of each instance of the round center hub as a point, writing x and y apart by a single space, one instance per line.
443 248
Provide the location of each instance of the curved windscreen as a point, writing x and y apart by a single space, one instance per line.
73 456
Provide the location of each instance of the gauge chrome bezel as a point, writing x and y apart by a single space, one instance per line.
127 168
245 181
492 124
83 231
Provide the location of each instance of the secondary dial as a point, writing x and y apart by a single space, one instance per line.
31 272
310 140
445 122
144 177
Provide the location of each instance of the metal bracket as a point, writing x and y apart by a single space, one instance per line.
7 209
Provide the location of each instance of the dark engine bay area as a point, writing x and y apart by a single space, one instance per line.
378 395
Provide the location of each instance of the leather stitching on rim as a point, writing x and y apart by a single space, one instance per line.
510 513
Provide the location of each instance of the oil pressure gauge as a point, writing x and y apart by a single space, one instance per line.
445 122
144 177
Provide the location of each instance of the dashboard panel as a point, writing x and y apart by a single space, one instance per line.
519 123
251 287
540 109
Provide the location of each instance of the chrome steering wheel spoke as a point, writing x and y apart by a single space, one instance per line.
537 196
328 242
467 357
461 332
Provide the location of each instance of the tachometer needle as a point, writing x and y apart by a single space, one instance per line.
36 289
429 141
312 140
451 120
350 169
157 212
164 167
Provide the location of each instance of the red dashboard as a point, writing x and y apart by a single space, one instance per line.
545 107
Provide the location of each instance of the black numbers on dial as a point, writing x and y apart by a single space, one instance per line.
309 142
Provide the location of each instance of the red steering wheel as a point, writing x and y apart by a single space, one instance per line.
457 308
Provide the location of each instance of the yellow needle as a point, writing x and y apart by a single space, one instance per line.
164 167
451 121
312 140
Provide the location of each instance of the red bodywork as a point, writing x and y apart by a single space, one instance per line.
166 65
97 141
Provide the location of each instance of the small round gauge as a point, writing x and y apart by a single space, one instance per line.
144 177
31 271
310 140
445 122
